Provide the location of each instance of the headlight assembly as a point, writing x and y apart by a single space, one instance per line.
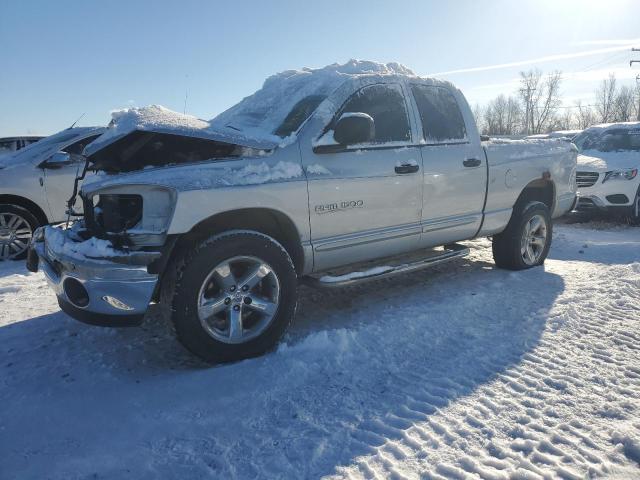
627 174
141 213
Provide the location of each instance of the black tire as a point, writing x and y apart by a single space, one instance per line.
190 274
507 246
30 218
634 213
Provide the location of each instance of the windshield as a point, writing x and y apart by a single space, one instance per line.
608 140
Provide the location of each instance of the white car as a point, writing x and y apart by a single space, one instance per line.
608 164
35 184
10 145
561 134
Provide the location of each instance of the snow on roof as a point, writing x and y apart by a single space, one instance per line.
253 121
620 125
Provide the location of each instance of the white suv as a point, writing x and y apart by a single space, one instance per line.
608 164
35 184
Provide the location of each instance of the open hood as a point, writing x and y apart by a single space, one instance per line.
154 136
161 120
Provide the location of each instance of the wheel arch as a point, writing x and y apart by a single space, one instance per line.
268 221
540 190
23 202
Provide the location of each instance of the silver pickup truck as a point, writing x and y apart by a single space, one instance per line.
327 176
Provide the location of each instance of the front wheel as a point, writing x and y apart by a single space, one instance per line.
16 228
526 241
235 294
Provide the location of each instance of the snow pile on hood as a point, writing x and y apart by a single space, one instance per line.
253 121
605 161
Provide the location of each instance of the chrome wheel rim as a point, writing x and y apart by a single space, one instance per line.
238 299
534 240
15 233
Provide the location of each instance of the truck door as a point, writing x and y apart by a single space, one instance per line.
365 200
455 169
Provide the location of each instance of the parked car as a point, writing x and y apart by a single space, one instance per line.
330 176
608 165
562 134
10 145
35 184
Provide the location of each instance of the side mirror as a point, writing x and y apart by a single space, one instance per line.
57 160
353 128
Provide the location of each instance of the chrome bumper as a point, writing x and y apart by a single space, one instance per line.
111 291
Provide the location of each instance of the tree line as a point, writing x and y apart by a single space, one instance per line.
537 107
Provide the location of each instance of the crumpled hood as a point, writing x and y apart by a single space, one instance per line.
594 160
158 119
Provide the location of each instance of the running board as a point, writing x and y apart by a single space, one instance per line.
411 263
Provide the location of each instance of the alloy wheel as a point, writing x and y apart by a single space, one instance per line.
15 233
238 299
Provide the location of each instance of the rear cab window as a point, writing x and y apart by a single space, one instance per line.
440 115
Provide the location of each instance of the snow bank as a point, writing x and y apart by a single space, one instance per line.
253 121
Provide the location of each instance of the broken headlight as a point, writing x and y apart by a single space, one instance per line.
138 214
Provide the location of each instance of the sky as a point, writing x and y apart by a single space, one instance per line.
63 59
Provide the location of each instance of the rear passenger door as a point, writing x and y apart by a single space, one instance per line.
454 165
365 199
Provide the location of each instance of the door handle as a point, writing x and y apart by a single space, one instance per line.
407 168
472 162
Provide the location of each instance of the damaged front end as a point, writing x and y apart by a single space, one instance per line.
105 268
94 281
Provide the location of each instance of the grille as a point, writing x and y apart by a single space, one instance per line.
586 179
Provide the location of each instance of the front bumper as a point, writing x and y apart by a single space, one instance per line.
612 195
110 291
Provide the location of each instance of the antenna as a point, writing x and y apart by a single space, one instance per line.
74 123
186 94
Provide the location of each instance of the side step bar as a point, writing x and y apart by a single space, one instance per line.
450 252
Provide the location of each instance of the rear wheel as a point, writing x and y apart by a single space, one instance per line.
526 241
16 228
235 295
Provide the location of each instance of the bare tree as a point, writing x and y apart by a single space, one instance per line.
585 116
624 105
477 115
605 99
502 116
565 121
541 99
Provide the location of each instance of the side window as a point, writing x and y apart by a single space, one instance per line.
7 146
298 114
440 114
386 105
77 147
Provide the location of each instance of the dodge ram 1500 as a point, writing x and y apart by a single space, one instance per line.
328 176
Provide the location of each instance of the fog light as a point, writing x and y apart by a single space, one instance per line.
115 303
75 292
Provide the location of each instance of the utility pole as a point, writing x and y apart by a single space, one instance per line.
631 62
528 116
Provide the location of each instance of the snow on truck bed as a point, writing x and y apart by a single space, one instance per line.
459 372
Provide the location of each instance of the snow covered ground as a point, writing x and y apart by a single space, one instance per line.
463 371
